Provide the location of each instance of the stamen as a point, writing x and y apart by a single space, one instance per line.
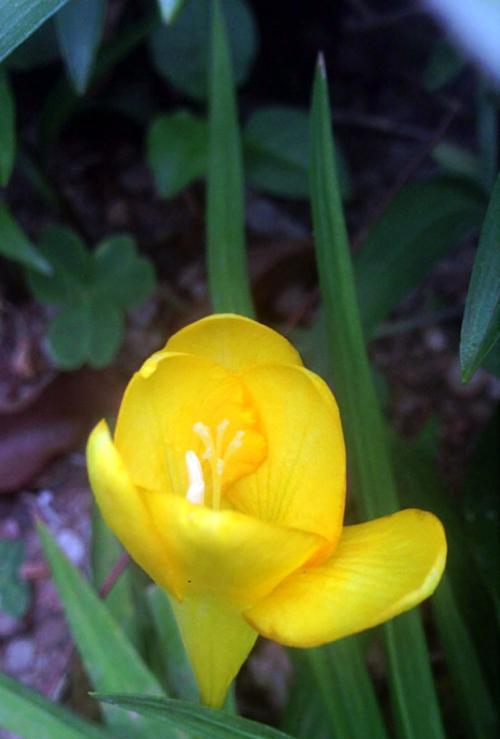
196 489
206 437
235 444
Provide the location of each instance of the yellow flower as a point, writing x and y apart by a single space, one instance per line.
226 483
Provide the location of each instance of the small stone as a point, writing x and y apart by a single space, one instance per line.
435 339
8 625
72 545
19 655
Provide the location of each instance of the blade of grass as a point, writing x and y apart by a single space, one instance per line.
226 260
7 129
340 690
481 323
110 660
32 716
206 722
79 29
370 468
20 19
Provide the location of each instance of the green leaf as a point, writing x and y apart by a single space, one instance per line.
181 52
32 716
170 9
226 259
15 245
120 275
445 63
109 659
7 129
79 28
106 329
178 672
370 469
38 50
70 267
473 700
210 723
458 161
333 694
21 18
419 226
481 323
276 146
177 148
14 591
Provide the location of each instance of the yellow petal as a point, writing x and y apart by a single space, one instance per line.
378 570
165 401
234 341
122 507
217 641
301 482
224 554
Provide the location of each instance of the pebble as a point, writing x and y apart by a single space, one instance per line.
19 655
435 339
72 545
8 625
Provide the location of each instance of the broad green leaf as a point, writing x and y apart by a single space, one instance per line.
14 591
226 259
444 65
30 715
423 221
7 129
79 28
178 673
276 147
120 275
481 323
15 245
70 265
333 694
177 149
208 722
170 9
106 329
109 659
370 469
21 18
181 52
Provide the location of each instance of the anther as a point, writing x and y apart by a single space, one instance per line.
196 489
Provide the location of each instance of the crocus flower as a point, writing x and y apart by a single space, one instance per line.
226 481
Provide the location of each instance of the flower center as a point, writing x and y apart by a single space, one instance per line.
225 456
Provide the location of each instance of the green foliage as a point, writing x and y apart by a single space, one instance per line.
177 148
7 129
15 245
206 722
422 222
226 259
481 323
372 480
91 291
111 662
14 591
31 716
79 27
180 53
20 19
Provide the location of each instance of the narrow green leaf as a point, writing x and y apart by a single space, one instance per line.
178 672
481 323
180 53
212 724
109 659
32 716
79 28
15 245
338 689
21 18
423 221
177 149
473 699
370 468
14 591
227 268
7 129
